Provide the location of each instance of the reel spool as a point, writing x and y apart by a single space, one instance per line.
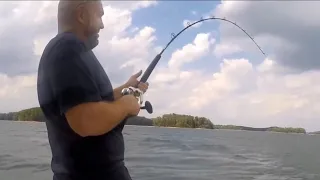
138 94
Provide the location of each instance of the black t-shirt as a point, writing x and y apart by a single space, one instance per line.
69 74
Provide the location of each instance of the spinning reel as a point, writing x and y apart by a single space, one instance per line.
139 94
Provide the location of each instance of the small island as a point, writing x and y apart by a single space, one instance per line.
314 133
166 120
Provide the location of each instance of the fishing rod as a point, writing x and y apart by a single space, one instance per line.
139 94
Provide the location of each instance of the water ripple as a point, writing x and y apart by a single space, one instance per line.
174 154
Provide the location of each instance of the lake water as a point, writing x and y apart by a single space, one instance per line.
154 153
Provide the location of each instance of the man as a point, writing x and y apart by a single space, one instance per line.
85 115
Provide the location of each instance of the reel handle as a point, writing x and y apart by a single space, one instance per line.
148 107
138 94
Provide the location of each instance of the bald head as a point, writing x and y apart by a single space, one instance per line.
66 11
83 17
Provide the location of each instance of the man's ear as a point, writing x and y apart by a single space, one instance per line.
81 14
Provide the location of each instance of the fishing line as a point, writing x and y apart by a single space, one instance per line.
154 62
139 94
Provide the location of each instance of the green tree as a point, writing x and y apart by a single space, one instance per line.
182 121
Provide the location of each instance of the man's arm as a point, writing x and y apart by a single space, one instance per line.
77 95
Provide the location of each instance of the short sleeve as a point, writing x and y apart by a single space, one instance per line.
71 81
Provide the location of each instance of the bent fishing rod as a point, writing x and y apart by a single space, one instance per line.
139 94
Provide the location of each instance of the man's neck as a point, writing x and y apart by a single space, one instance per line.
79 34
75 31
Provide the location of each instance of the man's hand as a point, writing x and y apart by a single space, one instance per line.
131 105
133 81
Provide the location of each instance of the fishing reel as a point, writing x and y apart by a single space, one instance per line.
137 93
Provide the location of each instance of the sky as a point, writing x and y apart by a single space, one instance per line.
212 70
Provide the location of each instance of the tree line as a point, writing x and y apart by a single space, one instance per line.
166 120
31 114
36 114
270 129
182 121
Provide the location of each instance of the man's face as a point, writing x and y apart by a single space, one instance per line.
94 23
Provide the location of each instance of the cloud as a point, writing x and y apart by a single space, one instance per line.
130 5
290 35
191 52
39 25
24 41
13 32
243 90
244 94
224 49
17 92
251 91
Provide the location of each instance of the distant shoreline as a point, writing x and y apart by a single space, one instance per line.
307 133
172 120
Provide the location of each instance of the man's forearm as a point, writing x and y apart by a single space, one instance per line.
78 116
117 91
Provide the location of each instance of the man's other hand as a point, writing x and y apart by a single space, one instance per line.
131 105
133 81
